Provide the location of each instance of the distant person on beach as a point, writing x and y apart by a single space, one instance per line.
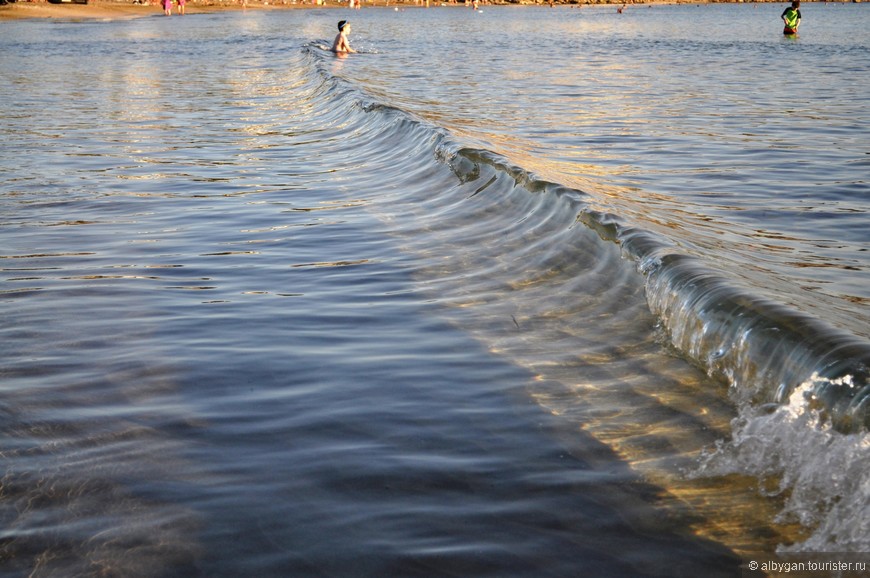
792 18
341 45
167 7
181 6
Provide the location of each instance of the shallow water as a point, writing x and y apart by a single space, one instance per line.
420 311
739 145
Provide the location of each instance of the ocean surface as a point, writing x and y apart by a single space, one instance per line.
512 292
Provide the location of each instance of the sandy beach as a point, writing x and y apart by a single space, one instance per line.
121 10
117 10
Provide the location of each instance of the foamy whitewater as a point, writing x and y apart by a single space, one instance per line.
519 291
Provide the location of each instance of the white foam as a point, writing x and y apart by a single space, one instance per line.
823 472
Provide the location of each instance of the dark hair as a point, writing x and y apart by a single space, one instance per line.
341 24
796 3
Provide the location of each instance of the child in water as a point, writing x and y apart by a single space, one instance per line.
341 45
792 18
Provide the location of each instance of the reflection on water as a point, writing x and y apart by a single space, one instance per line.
459 378
654 121
578 320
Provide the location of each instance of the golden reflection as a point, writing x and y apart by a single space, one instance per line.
597 369
659 424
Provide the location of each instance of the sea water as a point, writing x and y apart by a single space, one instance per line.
520 291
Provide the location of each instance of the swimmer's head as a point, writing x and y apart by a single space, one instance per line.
341 25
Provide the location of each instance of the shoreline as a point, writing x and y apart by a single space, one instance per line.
109 10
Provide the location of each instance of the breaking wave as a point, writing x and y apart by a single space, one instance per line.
799 385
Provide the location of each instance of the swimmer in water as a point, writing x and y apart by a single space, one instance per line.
341 45
791 16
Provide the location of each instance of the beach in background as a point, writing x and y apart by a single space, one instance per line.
101 9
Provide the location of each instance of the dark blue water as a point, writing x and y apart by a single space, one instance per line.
532 305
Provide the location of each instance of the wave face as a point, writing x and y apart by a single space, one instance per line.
768 192
753 263
376 329
781 354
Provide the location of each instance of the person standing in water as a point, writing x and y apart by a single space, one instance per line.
341 45
792 18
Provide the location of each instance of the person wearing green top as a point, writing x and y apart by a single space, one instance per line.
792 18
